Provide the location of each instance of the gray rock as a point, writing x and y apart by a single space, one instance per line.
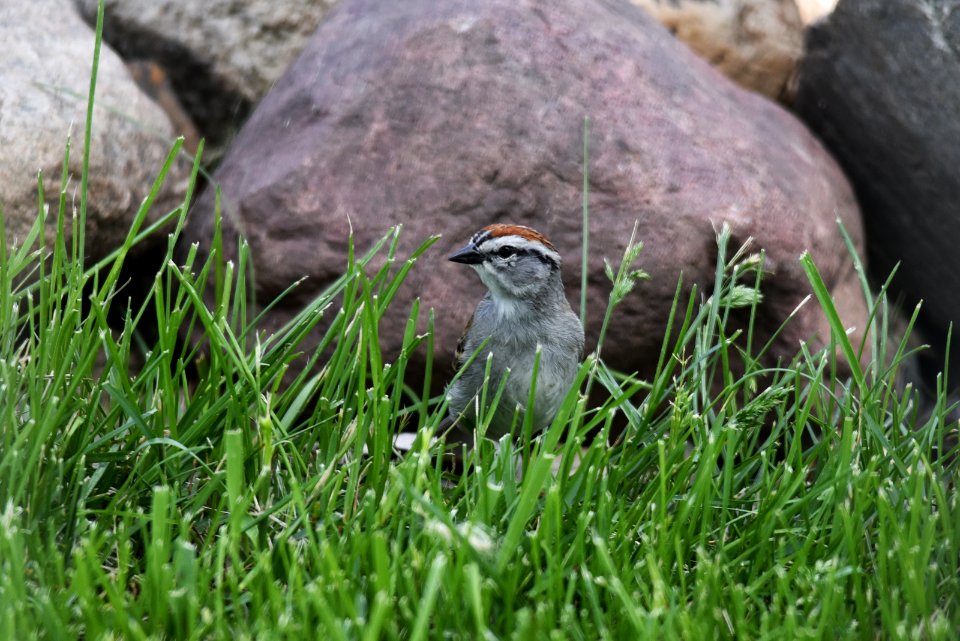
880 85
222 55
48 51
446 117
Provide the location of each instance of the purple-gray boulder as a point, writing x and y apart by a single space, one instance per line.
450 116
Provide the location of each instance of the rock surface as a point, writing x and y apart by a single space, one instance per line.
222 55
757 43
48 51
155 83
881 86
448 117
813 10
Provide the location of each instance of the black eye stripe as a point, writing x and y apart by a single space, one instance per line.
547 260
508 250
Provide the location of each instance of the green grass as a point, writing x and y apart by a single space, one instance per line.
152 488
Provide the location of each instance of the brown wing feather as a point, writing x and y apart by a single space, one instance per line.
458 355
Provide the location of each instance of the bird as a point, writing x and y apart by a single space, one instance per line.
525 309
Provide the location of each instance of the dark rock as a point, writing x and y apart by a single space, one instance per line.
446 117
881 86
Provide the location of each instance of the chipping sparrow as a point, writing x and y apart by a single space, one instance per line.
525 308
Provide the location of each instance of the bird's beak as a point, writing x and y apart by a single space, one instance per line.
468 255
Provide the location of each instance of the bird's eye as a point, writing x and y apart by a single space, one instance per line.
506 251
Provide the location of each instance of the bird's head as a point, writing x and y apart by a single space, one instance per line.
516 263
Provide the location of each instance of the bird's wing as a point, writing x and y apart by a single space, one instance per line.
458 355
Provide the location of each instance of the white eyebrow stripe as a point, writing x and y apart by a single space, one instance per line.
493 244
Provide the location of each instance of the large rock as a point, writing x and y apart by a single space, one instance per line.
881 87
448 117
755 42
48 51
222 55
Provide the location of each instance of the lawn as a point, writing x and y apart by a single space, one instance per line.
243 487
